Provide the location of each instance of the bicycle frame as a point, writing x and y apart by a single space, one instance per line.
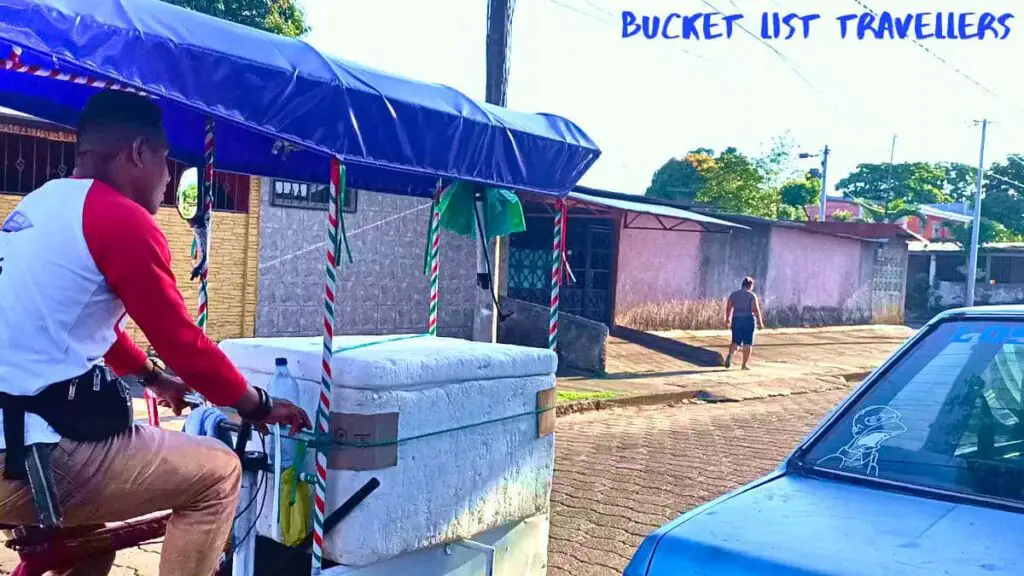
41 551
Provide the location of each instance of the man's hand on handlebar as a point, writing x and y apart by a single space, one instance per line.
282 412
171 392
288 414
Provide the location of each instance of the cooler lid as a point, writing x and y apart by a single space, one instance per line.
374 362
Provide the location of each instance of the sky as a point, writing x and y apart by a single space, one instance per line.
646 101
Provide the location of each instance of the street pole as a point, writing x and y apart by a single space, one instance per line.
892 158
824 177
972 265
499 31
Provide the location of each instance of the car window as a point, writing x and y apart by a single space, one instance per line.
949 415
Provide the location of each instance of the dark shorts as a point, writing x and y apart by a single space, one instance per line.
743 330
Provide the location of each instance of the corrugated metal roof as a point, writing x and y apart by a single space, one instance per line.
654 210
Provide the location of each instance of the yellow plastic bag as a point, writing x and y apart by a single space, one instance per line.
296 505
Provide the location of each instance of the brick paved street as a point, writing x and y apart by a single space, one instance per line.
620 474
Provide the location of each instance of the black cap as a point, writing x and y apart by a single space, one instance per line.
280 362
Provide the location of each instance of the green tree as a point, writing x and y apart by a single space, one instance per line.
284 17
802 192
681 179
991 231
960 181
890 192
891 212
735 183
792 213
842 216
912 182
1004 198
777 164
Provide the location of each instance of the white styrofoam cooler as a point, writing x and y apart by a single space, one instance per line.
445 487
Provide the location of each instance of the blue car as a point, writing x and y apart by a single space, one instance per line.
920 471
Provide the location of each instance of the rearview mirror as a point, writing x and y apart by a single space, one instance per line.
188 194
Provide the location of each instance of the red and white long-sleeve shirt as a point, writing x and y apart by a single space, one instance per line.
76 258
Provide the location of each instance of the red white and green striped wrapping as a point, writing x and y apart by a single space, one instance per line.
13 63
203 314
434 263
556 274
326 378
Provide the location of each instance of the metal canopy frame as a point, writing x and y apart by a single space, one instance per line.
629 220
629 217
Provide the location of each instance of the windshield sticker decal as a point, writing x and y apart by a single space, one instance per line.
871 427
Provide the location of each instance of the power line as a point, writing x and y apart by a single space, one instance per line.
949 65
989 174
607 21
1015 158
785 59
598 7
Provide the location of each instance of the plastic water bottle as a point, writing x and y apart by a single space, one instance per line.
283 385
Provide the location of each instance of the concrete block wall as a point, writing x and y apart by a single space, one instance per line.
384 290
889 282
233 265
582 343
804 278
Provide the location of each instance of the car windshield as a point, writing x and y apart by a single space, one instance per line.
949 415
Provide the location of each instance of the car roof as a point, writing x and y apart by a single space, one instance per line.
1003 310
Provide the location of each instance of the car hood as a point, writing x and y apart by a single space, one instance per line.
799 526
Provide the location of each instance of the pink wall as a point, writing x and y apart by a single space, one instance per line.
656 266
926 230
810 269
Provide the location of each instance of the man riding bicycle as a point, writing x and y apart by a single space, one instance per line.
77 256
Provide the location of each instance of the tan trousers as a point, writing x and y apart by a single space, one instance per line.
142 471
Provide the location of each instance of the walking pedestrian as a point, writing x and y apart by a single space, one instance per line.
743 313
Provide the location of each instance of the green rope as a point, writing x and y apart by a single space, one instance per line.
342 239
376 342
430 238
325 443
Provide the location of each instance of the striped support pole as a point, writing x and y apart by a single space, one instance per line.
13 64
556 274
326 378
203 312
434 262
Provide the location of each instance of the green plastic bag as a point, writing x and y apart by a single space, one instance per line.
503 213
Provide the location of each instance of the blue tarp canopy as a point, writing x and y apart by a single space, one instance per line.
395 135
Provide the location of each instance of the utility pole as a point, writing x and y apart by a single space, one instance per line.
824 177
888 185
499 31
972 264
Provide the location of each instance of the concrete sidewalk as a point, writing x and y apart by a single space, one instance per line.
785 361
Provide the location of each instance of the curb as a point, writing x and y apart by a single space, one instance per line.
702 396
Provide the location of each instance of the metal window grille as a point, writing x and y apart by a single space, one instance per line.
1008 269
28 162
291 194
948 267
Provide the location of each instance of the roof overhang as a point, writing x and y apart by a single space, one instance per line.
646 216
946 214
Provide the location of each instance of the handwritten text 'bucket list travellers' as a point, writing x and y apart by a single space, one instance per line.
783 26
